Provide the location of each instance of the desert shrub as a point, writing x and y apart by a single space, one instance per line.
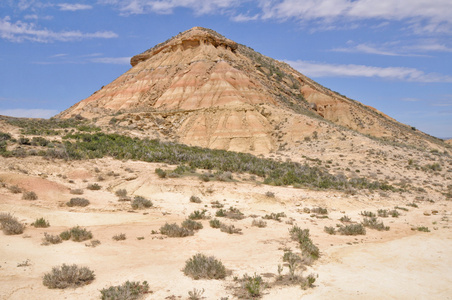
373 223
330 230
253 285
215 223
94 187
68 276
127 291
259 223
382 213
29 196
140 202
216 204
174 230
319 210
76 234
77 191
309 250
270 194
191 224
82 202
423 229
230 229
352 229
195 199
394 213
401 208
160 173
345 219
204 177
15 189
274 216
195 294
40 223
412 204
367 214
51 239
121 193
232 213
224 176
198 215
201 266
10 225
308 282
93 243
119 237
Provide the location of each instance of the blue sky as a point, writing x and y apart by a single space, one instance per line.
394 55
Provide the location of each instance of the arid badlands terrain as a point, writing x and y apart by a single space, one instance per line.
375 194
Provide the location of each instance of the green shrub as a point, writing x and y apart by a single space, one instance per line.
201 266
195 199
51 239
215 223
40 223
82 202
259 223
94 187
274 216
412 204
29 196
253 285
10 225
76 234
160 173
309 250
68 276
232 213
383 213
198 215
352 229
345 219
77 191
373 223
394 213
119 237
216 204
15 189
423 229
174 230
368 214
140 202
308 282
191 225
330 230
127 291
195 294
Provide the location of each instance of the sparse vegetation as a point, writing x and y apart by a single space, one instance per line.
198 215
309 250
160 173
191 224
94 187
122 194
10 225
15 189
368 214
119 237
270 194
129 290
231 213
68 276
276 217
259 223
330 230
82 202
77 191
51 239
140 202
345 219
423 229
195 294
201 266
29 196
195 199
253 285
40 223
215 223
230 229
373 223
174 230
319 210
352 229
76 234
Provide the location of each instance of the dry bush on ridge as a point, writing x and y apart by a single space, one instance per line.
68 276
129 290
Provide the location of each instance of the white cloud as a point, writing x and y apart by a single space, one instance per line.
244 18
200 7
21 31
316 69
29 113
73 7
369 49
112 60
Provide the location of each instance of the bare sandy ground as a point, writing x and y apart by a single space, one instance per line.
395 264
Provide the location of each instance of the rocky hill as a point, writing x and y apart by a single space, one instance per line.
200 88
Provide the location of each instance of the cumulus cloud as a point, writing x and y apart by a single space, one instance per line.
73 7
21 31
29 113
316 69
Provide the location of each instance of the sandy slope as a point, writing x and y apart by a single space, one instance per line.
395 264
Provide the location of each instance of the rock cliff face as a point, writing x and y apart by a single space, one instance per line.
203 89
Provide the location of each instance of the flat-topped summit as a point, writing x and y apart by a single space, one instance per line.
203 89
